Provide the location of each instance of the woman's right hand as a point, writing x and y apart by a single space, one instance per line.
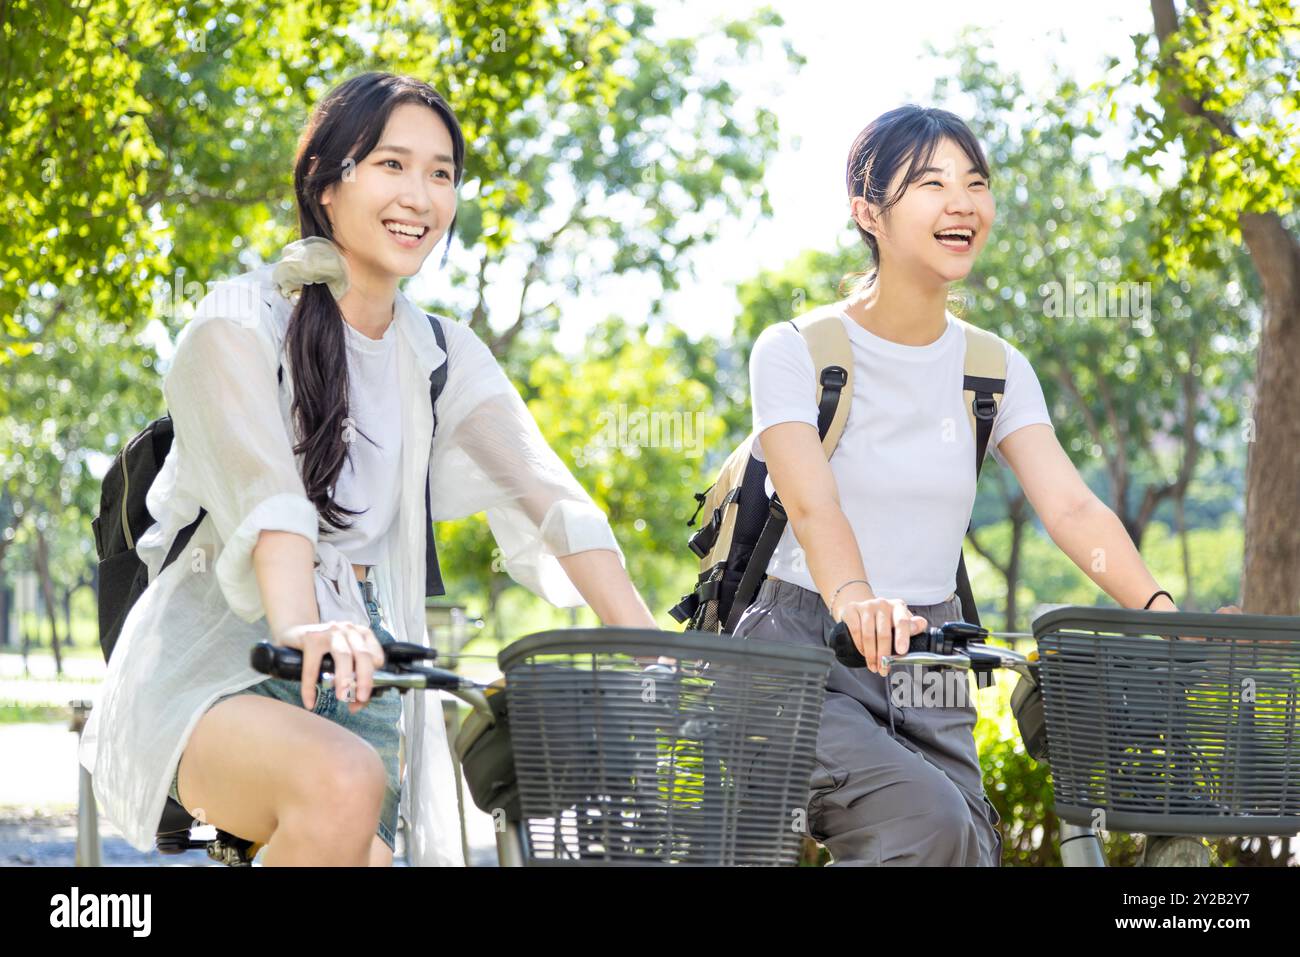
356 653
879 625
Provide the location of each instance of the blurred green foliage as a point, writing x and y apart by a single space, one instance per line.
149 150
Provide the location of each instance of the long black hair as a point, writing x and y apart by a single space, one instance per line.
907 134
344 127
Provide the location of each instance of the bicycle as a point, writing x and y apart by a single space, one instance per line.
1145 734
611 760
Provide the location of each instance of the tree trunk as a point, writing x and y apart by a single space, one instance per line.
5 593
47 592
496 586
4 613
1010 570
1180 523
88 581
1270 581
1018 522
1271 572
27 645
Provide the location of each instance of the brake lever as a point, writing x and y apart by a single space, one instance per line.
406 652
959 661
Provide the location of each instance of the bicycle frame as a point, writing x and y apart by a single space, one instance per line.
511 842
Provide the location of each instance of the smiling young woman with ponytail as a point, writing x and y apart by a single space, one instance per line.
304 428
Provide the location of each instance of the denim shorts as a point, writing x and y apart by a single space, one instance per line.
377 722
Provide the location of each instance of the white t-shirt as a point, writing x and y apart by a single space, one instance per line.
371 476
905 465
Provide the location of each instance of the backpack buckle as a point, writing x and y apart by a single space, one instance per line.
685 608
984 407
834 377
702 541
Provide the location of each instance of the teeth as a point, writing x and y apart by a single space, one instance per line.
405 230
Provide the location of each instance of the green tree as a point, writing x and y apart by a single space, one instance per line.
632 422
1140 370
84 387
1226 79
150 150
625 181
77 147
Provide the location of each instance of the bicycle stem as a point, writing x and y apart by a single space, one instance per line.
477 700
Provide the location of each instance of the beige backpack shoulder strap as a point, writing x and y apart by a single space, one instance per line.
984 378
828 343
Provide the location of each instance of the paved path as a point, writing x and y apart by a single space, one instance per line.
38 808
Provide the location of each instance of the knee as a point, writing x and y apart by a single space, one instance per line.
923 823
948 835
345 791
355 778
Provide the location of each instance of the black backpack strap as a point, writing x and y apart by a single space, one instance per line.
833 380
985 407
433 585
183 538
756 568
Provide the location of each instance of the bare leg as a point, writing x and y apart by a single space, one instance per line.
380 855
277 774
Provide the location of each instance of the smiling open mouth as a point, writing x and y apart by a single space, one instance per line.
956 238
405 230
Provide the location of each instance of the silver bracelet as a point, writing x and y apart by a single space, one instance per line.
835 594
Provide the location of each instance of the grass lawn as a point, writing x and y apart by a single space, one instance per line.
11 713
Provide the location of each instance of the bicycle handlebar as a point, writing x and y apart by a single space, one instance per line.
955 644
285 663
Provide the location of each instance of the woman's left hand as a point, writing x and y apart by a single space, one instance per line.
1225 610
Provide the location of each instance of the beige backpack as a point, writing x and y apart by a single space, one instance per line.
744 525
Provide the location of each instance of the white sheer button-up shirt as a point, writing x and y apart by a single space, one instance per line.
186 640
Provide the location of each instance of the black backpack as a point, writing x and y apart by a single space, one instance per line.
124 515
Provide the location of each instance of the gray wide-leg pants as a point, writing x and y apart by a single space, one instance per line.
907 795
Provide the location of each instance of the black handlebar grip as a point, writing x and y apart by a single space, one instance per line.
846 652
281 662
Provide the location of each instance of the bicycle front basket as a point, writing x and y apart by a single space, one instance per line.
1153 734
705 762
